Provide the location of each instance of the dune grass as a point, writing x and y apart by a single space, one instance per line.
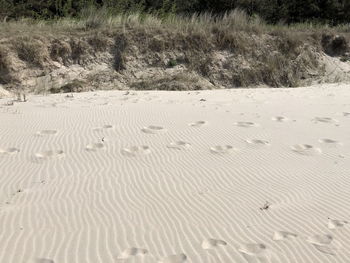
102 19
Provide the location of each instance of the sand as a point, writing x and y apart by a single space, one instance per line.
253 175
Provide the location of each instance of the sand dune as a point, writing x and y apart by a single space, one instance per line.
245 176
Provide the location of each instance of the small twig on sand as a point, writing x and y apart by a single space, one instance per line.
266 206
21 97
10 103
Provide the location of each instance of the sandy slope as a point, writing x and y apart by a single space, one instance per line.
166 177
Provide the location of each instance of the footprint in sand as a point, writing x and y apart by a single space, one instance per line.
222 149
306 149
43 260
179 145
47 132
333 224
93 147
322 243
136 151
198 124
152 129
132 252
283 235
280 119
246 124
324 120
346 114
178 258
329 142
211 243
50 154
9 151
257 142
251 252
104 127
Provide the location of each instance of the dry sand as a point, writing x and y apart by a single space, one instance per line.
254 175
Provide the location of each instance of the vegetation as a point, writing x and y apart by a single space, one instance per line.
145 45
332 12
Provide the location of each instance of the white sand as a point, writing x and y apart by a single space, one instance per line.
165 177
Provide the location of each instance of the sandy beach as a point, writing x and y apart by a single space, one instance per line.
237 175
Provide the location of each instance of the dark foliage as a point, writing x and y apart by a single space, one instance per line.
332 12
